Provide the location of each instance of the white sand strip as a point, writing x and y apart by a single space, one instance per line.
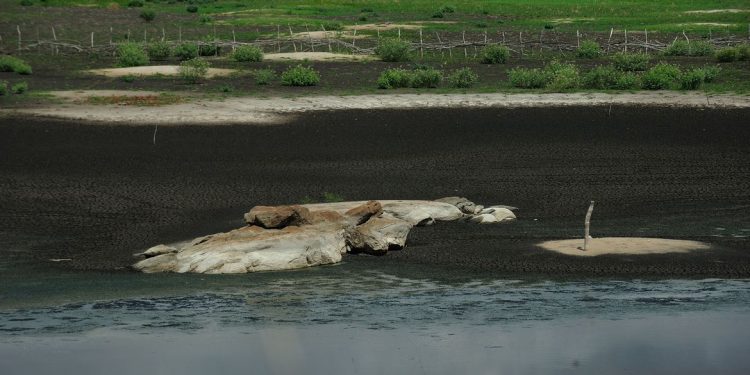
165 70
623 245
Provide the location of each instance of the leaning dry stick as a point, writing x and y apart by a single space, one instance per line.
586 236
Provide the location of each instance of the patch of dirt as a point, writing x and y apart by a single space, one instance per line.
166 70
78 95
383 26
709 24
709 11
323 35
623 245
316 56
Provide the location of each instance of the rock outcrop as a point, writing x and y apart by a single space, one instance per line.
289 237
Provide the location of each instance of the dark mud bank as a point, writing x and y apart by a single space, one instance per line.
96 194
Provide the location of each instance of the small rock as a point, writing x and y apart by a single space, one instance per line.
378 235
466 206
503 214
361 214
483 219
277 216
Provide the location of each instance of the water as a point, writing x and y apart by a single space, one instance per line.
352 319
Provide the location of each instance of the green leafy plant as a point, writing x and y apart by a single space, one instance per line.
728 54
685 48
438 14
208 47
395 78
205 19
3 88
743 52
393 50
248 53
426 78
701 48
26 3
627 81
194 70
495 54
131 54
631 62
14 64
661 77
448 9
463 78
148 15
589 49
563 76
192 8
333 26
158 50
693 79
135 4
186 51
128 78
528 78
300 76
20 88
601 77
264 76
226 88
332 197
711 72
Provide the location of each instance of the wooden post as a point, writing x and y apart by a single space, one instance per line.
520 40
92 40
163 35
485 38
110 35
578 39
291 37
145 36
179 32
611 31
378 30
278 39
503 37
54 36
440 43
234 39
354 38
399 33
587 224
421 50
328 38
18 28
463 37
626 40
540 40
309 37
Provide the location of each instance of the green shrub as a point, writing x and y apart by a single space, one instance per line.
332 197
589 49
128 78
248 53
205 19
463 78
630 62
333 26
692 80
14 64
495 54
727 54
448 9
393 50
192 8
20 88
135 4
148 15
300 76
660 77
26 3
711 72
562 76
264 76
194 70
678 48
438 14
186 51
743 52
627 81
395 78
3 88
426 78
701 48
158 50
601 77
131 54
226 88
208 47
528 78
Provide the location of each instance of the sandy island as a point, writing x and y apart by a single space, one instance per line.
268 111
623 246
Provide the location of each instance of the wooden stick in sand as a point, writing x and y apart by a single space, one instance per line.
587 223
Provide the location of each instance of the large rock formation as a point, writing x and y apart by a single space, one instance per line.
289 237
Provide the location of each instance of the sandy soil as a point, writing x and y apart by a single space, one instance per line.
251 110
623 245
167 70
322 35
393 26
316 56
709 11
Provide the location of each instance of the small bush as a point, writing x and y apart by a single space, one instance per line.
426 78
589 49
208 48
495 54
701 48
20 88
438 14
248 54
131 54
205 19
678 48
135 4
395 78
26 3
692 80
264 76
192 8
630 62
711 72
448 9
601 77
128 78
463 78
528 78
226 88
562 76
148 15
3 88
158 50
743 52
627 81
333 26
194 70
661 77
300 76
14 64
727 54
393 50
186 51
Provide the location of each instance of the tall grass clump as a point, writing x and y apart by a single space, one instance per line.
208 47
194 70
20 88
393 50
589 49
562 76
395 78
630 62
426 78
158 50
131 54
3 88
264 76
248 54
14 64
743 52
685 48
495 54
627 81
300 76
526 78
661 77
148 15
186 51
728 54
693 79
601 77
463 78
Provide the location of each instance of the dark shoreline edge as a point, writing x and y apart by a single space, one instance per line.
98 194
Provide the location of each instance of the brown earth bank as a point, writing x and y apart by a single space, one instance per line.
97 194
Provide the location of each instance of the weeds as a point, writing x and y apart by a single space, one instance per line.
248 54
300 76
194 70
661 77
264 76
495 54
463 78
630 62
186 51
3 88
14 64
395 78
158 50
131 54
20 88
685 48
727 54
393 50
589 49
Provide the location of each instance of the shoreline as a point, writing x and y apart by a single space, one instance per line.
280 110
